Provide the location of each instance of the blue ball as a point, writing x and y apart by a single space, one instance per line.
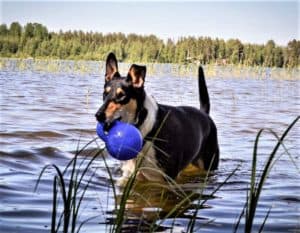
123 141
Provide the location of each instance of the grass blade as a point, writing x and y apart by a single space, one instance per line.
111 180
54 202
255 190
264 222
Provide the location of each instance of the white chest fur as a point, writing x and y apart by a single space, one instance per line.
148 168
152 108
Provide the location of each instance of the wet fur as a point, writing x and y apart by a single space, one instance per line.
173 137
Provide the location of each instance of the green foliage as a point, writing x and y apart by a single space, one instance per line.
257 182
15 30
3 30
292 54
72 184
34 40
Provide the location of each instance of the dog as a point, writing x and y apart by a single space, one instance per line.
173 137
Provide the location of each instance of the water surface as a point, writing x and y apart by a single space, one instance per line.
45 117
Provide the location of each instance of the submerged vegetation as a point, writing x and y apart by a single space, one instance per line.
72 183
153 69
35 41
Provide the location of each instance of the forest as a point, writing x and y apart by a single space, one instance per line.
33 40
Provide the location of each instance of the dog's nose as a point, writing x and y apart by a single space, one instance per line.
100 116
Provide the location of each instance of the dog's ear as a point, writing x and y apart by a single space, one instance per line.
111 67
137 75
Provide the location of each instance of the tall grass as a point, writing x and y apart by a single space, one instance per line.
83 67
257 183
68 185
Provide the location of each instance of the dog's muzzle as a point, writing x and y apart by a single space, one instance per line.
101 118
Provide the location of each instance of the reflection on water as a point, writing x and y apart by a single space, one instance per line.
45 117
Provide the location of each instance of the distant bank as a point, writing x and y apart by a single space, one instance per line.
34 40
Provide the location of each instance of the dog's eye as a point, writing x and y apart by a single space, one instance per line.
106 91
121 96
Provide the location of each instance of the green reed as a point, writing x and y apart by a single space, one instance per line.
170 185
85 67
67 183
256 186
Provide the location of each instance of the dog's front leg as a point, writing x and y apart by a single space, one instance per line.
148 169
127 168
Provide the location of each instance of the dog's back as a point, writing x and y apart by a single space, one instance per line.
183 135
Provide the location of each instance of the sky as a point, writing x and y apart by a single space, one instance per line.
250 21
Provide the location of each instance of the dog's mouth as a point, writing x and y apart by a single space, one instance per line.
108 124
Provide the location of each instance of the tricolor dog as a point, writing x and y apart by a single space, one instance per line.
173 137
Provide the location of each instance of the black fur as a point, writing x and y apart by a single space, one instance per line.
181 135
185 135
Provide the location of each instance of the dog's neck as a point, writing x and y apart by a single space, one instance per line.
147 115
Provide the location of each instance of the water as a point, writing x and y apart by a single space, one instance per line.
46 116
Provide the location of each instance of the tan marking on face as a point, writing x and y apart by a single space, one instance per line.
129 110
107 89
111 109
120 91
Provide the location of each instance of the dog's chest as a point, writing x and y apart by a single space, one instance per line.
146 165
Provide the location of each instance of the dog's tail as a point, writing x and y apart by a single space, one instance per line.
203 93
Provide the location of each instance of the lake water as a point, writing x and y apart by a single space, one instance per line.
45 117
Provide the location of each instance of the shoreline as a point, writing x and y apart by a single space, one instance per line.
153 69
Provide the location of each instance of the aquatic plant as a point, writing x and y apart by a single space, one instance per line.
153 69
68 183
257 183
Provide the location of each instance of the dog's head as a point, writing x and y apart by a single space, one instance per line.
122 95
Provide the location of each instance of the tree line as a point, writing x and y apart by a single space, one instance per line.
34 40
